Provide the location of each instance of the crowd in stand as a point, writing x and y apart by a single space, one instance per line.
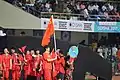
86 9
33 65
110 52
93 8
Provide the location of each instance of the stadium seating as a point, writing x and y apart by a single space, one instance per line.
71 9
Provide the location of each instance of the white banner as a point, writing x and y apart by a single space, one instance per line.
69 25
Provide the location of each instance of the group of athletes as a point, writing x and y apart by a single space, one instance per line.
50 65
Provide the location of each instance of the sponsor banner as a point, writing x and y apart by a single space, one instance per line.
62 24
44 23
82 26
107 27
69 25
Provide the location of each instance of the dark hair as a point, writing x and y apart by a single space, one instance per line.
47 46
13 48
67 57
61 52
31 49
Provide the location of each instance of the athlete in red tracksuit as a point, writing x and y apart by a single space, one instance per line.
1 68
59 66
47 64
16 66
38 63
7 64
32 64
27 66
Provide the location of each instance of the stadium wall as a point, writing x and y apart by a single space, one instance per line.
14 18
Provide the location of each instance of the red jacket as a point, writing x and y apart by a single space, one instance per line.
47 64
28 58
60 64
6 60
0 62
0 59
16 59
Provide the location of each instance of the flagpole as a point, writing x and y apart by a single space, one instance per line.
55 42
54 36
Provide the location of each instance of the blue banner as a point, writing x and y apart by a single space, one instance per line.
107 27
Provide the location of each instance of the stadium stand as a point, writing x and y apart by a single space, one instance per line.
71 9
78 10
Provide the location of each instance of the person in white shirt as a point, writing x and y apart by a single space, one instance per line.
105 51
100 51
78 5
104 8
110 7
86 14
114 50
90 8
95 7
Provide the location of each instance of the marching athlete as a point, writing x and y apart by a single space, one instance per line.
27 66
16 65
47 63
7 64
32 65
38 63
1 68
59 65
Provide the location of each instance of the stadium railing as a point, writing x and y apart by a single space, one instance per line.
68 16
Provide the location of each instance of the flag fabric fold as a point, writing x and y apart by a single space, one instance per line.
22 49
48 33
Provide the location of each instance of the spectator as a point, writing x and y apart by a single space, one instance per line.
94 45
90 8
110 5
104 8
105 13
114 50
95 9
43 8
48 7
86 14
100 51
82 6
77 5
105 51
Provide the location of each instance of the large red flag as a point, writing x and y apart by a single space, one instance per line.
48 33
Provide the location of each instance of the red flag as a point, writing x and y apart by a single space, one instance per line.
22 49
48 33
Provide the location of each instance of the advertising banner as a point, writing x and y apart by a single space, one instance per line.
69 25
107 27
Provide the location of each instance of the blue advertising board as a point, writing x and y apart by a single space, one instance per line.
107 27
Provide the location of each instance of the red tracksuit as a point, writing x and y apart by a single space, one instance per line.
47 66
39 63
27 67
0 62
1 68
6 65
33 67
16 67
59 65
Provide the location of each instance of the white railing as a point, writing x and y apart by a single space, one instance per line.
68 16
